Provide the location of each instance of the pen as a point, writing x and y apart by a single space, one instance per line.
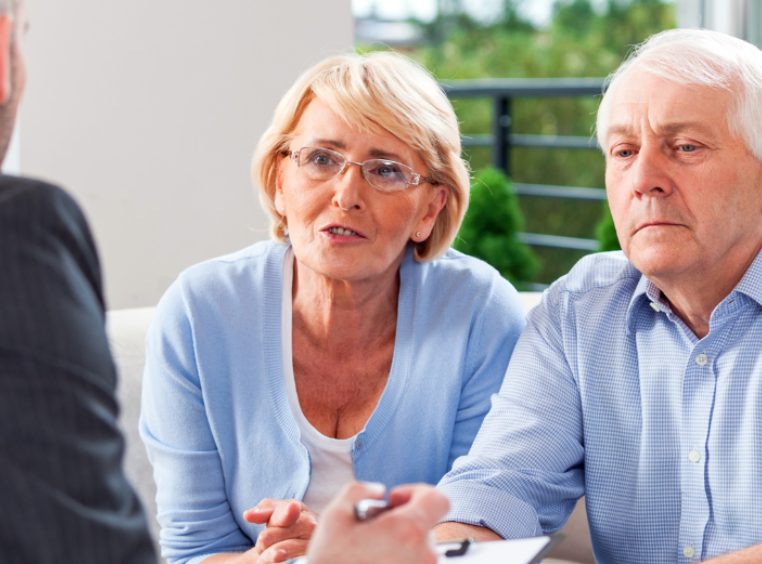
368 508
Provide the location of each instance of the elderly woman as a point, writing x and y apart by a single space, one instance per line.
355 345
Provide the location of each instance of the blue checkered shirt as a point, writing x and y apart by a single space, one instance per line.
610 395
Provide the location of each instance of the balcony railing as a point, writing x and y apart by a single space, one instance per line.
502 92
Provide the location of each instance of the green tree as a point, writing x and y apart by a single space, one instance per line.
605 232
583 39
491 226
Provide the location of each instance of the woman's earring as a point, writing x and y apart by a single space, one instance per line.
418 236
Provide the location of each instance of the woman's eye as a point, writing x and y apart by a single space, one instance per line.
388 168
623 153
686 148
320 158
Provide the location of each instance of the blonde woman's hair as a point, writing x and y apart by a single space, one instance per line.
381 91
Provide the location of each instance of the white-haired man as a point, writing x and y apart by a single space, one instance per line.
638 381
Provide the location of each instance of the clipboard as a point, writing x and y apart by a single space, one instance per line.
513 551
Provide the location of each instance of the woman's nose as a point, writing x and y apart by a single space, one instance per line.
349 186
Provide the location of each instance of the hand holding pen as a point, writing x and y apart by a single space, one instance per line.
399 532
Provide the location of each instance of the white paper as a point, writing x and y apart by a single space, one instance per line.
515 551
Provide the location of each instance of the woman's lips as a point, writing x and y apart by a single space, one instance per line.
343 231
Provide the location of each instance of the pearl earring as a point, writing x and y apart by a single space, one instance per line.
418 235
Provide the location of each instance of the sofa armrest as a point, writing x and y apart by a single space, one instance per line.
126 330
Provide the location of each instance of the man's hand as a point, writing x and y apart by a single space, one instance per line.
400 535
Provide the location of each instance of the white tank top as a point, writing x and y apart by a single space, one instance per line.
330 459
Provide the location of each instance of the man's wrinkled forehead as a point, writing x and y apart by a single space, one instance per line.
679 105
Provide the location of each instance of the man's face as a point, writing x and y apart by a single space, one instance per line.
685 192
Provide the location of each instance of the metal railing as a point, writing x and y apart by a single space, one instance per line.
502 92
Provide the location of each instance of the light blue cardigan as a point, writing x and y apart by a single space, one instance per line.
216 420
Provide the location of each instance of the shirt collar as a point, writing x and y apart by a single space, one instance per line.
646 292
751 283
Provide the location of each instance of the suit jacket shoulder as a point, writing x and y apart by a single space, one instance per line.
60 472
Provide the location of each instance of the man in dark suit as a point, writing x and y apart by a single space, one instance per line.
64 494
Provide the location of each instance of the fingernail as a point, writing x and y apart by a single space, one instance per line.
376 487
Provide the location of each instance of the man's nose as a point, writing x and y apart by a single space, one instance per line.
651 172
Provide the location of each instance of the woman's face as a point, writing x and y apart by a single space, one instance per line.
343 228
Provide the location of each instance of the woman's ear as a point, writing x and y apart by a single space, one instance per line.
6 36
278 201
280 205
437 201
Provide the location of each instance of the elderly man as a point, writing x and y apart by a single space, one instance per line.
638 381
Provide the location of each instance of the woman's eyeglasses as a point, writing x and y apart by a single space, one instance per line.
320 164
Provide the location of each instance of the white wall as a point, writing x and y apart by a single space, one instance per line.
148 112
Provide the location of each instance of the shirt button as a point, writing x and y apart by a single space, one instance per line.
694 455
701 359
689 551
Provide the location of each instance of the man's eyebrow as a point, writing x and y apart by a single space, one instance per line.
618 130
683 126
666 129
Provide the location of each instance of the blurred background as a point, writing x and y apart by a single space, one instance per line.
148 112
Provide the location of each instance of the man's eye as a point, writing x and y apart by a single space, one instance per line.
624 153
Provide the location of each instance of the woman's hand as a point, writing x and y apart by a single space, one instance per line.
289 526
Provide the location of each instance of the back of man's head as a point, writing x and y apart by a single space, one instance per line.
705 58
11 6
12 72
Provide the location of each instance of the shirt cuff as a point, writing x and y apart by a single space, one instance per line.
485 506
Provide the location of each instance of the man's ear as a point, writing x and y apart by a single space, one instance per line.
6 32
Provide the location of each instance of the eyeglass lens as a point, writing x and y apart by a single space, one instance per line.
323 164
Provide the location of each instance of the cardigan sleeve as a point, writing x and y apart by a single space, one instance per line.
192 502
496 327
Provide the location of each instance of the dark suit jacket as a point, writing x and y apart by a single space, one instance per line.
63 495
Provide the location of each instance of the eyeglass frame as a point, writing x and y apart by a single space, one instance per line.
417 177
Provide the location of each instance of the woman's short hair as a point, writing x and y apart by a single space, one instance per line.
375 92
706 58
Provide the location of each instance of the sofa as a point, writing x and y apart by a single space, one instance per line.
127 328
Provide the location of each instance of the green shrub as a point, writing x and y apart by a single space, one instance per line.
490 228
605 232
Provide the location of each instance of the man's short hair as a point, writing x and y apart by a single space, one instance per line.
701 57
6 5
